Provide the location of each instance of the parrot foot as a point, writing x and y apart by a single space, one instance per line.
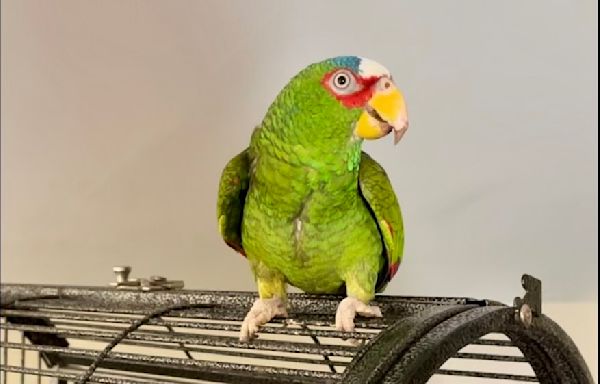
347 310
262 311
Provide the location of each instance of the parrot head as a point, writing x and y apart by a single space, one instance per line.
343 97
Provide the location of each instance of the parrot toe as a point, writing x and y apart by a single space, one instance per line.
262 311
347 310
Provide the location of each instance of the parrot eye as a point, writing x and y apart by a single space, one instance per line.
343 82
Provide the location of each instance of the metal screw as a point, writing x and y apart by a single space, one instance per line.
154 283
122 273
526 315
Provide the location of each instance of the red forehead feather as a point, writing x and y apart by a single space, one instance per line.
357 99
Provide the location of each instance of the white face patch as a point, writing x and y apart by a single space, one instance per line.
370 68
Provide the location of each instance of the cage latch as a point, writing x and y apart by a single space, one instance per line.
530 305
154 283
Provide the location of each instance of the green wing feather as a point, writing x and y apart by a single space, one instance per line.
232 196
379 195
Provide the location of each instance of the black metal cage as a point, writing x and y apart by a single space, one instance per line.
161 334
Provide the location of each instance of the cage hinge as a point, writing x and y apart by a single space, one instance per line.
154 283
530 305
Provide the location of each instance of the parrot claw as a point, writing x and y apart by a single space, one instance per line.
262 311
292 323
347 310
356 342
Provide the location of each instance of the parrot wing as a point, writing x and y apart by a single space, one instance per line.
233 187
377 191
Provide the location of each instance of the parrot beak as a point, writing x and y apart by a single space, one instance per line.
385 112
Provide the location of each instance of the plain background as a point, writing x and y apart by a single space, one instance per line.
118 116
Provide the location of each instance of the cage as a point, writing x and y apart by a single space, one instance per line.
152 331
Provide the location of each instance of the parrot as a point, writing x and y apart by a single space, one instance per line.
305 204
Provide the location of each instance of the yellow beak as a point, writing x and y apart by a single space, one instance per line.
385 112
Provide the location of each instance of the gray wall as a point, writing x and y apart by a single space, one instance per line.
118 116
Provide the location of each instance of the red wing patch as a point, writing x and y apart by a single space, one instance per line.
393 269
237 248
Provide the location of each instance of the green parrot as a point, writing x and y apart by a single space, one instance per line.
305 204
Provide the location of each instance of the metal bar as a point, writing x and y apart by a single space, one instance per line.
62 375
93 353
326 358
44 372
39 366
175 361
248 354
82 316
77 372
268 375
22 357
179 367
223 314
490 342
145 378
214 341
232 328
5 353
210 297
491 357
320 320
220 352
181 345
219 313
228 305
487 375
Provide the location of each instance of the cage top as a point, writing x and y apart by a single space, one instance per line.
228 304
118 336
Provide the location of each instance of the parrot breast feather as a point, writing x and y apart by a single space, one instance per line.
377 191
232 195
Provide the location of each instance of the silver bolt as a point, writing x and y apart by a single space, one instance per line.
122 273
157 279
526 315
